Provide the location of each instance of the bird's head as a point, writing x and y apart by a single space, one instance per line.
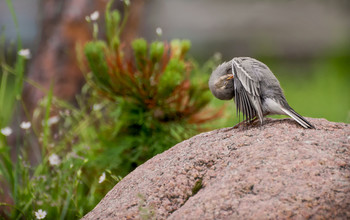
221 82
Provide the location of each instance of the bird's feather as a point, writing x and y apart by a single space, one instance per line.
250 104
298 118
249 81
243 101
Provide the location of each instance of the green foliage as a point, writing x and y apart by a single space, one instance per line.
154 86
10 90
10 76
112 22
156 101
156 51
66 181
180 48
197 186
140 50
98 63
172 77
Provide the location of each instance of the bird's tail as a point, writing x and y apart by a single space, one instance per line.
298 118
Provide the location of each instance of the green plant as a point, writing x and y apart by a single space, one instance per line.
68 181
11 76
158 99
11 83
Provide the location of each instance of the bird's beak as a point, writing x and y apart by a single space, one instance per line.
230 77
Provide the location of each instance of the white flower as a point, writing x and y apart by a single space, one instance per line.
217 56
94 16
67 112
79 173
54 160
159 31
25 53
97 107
6 131
53 120
25 125
40 214
102 177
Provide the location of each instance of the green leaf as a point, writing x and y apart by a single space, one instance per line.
140 51
185 47
113 20
95 54
156 51
172 77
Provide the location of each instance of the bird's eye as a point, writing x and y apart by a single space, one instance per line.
229 71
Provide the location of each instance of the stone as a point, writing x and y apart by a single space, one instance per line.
275 171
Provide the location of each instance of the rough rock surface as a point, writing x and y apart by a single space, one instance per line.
279 170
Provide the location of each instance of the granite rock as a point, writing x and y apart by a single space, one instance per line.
275 171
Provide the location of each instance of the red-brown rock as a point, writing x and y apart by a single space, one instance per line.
276 171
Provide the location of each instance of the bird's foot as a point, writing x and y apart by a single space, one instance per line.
255 122
247 123
239 124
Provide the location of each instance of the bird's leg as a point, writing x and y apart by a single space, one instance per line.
254 121
247 122
239 124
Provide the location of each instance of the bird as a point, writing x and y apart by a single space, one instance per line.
254 88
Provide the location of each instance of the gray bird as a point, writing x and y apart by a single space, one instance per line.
254 88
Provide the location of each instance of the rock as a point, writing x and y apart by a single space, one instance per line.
276 171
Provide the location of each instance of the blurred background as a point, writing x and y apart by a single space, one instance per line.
306 44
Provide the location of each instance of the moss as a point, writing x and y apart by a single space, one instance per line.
197 186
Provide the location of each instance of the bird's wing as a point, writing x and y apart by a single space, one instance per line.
243 101
249 73
248 77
